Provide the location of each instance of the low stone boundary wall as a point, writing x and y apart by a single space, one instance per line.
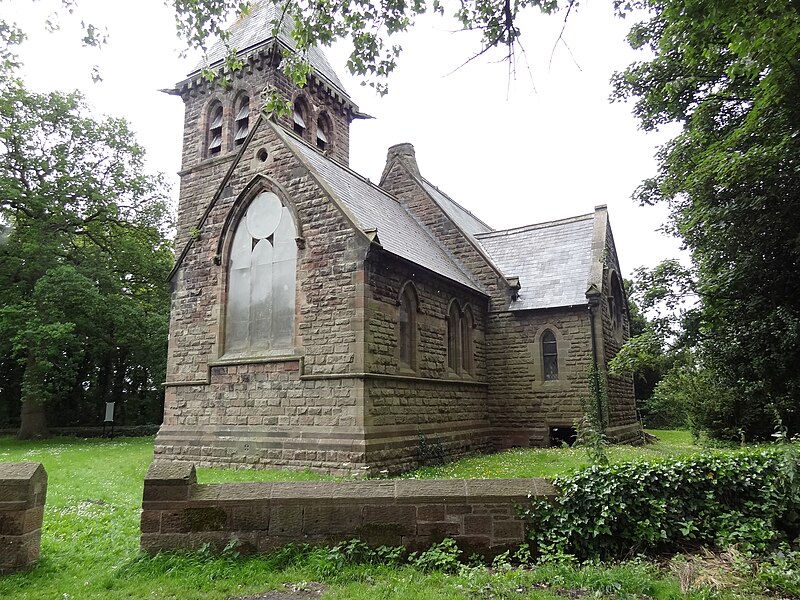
178 513
23 490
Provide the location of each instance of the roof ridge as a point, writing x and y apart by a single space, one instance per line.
267 22
532 226
293 138
450 198
338 163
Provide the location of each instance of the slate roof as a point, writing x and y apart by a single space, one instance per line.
468 222
255 30
552 260
372 208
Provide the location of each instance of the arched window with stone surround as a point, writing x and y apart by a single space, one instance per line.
300 117
467 342
407 336
241 120
261 279
453 338
549 356
324 134
214 131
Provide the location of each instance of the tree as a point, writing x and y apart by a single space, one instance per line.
83 295
662 307
729 72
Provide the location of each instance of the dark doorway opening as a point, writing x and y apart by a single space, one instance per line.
562 435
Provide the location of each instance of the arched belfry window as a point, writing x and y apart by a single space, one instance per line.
214 134
549 356
261 279
241 125
407 339
299 117
323 132
453 337
467 342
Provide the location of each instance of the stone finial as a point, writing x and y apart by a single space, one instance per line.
405 152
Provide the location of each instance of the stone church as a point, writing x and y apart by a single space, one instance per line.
321 320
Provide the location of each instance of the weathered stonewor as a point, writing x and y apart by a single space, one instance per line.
178 513
23 490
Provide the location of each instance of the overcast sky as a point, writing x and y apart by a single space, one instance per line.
543 145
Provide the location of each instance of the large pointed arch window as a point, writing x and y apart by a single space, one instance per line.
261 279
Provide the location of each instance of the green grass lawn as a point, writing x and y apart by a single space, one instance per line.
91 529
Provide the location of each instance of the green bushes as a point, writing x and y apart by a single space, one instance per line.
749 498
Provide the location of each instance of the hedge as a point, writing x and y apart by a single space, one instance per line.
749 498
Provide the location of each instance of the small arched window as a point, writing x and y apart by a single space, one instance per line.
408 328
467 342
549 356
214 134
299 116
261 278
453 335
323 132
241 125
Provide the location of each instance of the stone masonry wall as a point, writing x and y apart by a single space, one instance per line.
447 408
523 405
258 74
401 179
299 408
480 515
622 419
23 491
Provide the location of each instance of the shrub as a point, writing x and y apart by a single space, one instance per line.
749 498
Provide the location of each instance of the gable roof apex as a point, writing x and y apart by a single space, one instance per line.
373 211
552 260
257 29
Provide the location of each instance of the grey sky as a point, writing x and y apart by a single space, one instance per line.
544 145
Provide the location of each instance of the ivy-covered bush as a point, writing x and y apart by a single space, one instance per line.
749 498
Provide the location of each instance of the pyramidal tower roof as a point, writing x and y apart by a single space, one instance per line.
256 30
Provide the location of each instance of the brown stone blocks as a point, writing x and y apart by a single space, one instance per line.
402 519
286 521
430 512
510 530
477 525
480 514
23 491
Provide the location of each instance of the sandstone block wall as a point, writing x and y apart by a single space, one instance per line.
431 402
269 409
523 405
621 418
23 490
177 513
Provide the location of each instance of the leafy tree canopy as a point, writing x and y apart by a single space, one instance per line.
729 72
83 262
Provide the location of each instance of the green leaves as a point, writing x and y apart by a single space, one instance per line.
83 261
729 72
745 498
